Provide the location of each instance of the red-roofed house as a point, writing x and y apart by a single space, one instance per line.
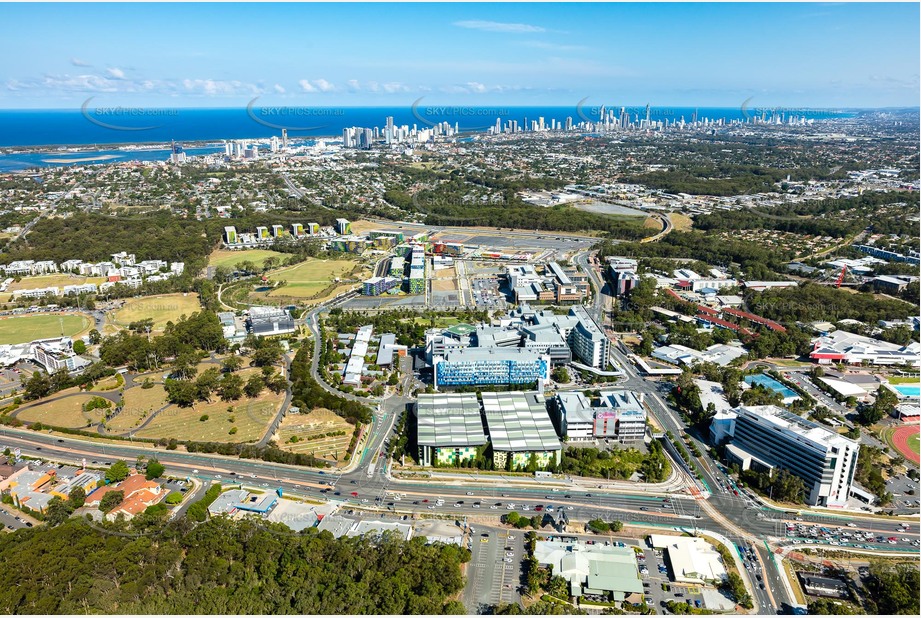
139 494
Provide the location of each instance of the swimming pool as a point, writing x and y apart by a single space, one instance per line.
771 384
912 391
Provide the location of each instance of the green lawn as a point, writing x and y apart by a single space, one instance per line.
904 380
309 278
914 443
22 329
161 309
229 259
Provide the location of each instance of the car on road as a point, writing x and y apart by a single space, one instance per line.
509 560
494 506
476 505
469 493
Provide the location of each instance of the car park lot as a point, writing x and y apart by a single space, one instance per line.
495 568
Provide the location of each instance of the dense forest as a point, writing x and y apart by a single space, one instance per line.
223 567
94 238
838 218
757 261
812 302
727 178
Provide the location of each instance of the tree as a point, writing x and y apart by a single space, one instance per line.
231 363
598 526
57 511
37 386
561 375
111 500
117 472
184 367
95 336
616 526
154 469
174 498
206 382
181 392
79 347
230 387
77 497
254 385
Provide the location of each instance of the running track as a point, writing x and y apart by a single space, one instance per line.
900 441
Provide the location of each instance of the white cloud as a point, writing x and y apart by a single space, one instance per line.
79 63
215 87
279 88
115 72
353 84
495 26
317 85
323 85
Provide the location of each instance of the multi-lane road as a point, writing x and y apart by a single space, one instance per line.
367 484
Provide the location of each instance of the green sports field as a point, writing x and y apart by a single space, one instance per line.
309 278
22 329
229 259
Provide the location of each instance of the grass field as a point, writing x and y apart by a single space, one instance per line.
914 443
67 412
309 278
162 309
21 329
229 259
250 416
316 423
680 222
904 380
137 404
47 281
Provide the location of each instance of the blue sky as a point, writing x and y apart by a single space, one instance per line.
224 55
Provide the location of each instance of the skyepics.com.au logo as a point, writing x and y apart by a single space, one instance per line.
751 112
292 118
465 118
120 118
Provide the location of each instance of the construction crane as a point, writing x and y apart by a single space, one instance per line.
841 276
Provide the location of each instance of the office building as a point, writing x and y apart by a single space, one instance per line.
230 235
574 416
57 354
768 437
449 428
475 366
619 416
589 343
297 230
520 431
269 321
355 366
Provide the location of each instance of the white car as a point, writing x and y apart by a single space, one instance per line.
510 506
510 554
493 507
525 508
851 525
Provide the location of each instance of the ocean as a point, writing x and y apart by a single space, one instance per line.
95 128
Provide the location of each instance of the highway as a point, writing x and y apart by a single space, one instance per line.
710 505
